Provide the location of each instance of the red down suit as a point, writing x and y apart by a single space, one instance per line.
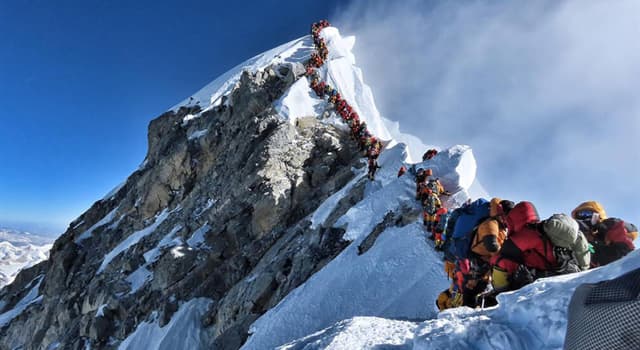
524 245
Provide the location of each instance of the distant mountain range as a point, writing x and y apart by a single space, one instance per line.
19 250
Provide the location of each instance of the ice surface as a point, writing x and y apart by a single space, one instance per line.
169 240
198 237
197 134
184 331
105 220
138 278
133 239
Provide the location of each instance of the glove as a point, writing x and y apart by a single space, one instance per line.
456 299
523 276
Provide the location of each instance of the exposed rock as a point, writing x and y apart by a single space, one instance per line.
220 216
402 218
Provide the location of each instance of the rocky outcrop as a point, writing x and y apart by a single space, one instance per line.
217 210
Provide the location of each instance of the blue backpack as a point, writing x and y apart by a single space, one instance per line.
468 217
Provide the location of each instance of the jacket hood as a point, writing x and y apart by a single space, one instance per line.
522 214
590 205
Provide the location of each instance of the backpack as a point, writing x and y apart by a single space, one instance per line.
564 233
431 203
420 176
627 238
442 223
468 218
433 186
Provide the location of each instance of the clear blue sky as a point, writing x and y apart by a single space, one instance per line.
546 90
80 81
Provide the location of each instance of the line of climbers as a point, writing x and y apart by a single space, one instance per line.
490 246
369 144
428 192
497 245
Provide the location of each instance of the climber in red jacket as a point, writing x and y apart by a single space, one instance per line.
525 255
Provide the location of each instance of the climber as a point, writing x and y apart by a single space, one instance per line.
536 249
373 167
431 185
402 171
524 251
436 187
340 106
429 154
421 181
611 238
362 138
439 227
470 264
373 147
430 205
337 98
429 192
310 71
486 242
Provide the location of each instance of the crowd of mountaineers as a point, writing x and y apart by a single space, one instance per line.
369 144
489 246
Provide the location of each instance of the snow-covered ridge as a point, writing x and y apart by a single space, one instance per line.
295 51
394 277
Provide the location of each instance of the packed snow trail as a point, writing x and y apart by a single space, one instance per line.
533 317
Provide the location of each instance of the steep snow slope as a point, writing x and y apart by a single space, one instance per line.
534 317
398 277
399 272
211 95
183 332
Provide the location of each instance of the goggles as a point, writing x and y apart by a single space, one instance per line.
585 214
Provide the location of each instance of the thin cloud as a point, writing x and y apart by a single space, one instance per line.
544 91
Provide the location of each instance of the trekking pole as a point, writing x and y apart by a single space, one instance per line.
488 291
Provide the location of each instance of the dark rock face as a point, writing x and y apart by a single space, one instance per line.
217 211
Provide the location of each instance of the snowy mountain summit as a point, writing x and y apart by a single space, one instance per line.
252 224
